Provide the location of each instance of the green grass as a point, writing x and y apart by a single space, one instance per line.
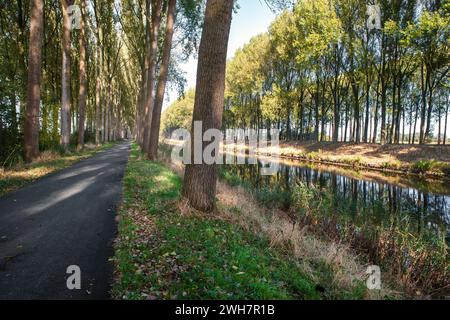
21 174
163 254
431 167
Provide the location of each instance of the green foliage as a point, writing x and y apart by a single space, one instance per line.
317 27
431 167
244 71
273 197
273 104
179 114
245 77
442 167
423 166
319 65
231 178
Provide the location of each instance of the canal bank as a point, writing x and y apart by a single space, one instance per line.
399 227
431 161
396 221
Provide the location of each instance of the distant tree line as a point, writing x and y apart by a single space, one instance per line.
321 73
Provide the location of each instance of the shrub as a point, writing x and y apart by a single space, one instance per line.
423 166
313 156
230 178
442 168
273 197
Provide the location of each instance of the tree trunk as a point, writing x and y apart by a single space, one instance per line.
346 124
428 133
400 111
98 117
383 113
65 88
200 180
98 82
410 124
444 141
336 115
375 115
415 123
357 128
83 82
403 125
316 108
31 145
150 99
105 97
161 89
366 122
22 63
144 80
301 113
108 113
424 86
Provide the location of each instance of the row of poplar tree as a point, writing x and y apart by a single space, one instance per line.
67 79
324 71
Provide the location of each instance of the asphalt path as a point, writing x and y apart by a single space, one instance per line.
65 219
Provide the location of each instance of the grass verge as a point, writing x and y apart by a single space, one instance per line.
165 250
18 176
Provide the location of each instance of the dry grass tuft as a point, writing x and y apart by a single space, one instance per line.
46 156
238 205
186 210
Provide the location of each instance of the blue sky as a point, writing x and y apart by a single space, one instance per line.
252 18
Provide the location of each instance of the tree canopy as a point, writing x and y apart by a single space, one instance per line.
322 73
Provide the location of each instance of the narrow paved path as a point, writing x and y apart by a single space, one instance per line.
64 219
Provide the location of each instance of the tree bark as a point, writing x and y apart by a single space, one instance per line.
300 116
416 117
424 86
375 115
336 111
400 110
366 122
357 128
31 145
428 133
200 180
98 118
140 121
383 113
65 88
383 82
108 113
316 108
83 82
150 99
104 95
98 81
22 63
444 141
163 73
